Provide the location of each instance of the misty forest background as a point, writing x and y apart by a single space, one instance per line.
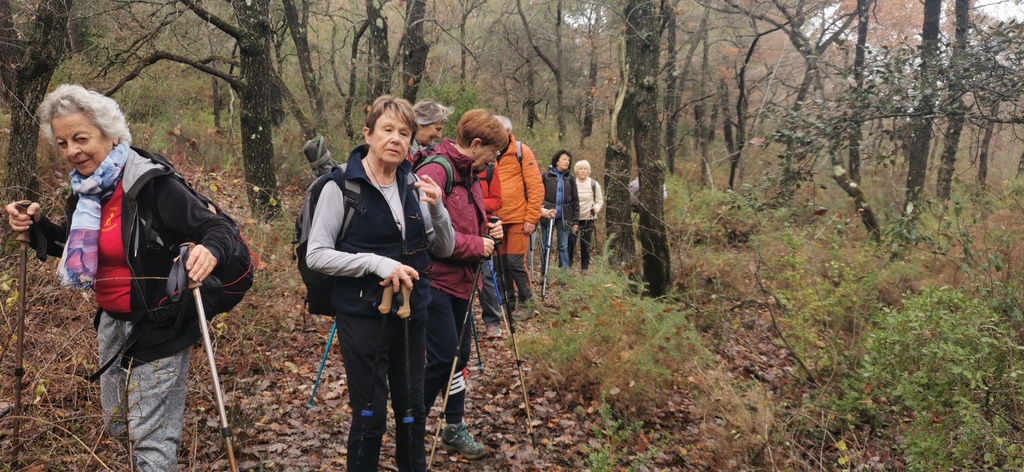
831 280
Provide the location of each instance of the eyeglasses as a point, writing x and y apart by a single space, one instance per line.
498 153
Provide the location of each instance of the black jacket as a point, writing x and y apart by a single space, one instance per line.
158 214
570 201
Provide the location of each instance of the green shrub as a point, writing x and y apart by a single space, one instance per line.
604 337
949 367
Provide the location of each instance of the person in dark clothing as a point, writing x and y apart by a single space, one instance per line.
386 247
105 247
480 139
561 204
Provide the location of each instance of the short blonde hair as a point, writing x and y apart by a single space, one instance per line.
581 163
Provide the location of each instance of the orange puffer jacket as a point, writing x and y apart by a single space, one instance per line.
522 189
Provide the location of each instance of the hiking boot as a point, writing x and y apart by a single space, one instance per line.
524 315
454 437
493 332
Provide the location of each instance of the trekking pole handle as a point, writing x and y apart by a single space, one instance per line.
494 220
385 300
406 309
22 206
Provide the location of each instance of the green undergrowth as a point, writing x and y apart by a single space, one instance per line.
604 337
947 370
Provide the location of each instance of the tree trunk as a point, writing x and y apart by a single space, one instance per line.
741 109
986 143
672 92
617 164
728 133
217 105
46 49
642 51
255 89
700 119
850 181
591 103
920 139
530 105
346 114
380 62
414 63
554 65
298 25
947 166
10 51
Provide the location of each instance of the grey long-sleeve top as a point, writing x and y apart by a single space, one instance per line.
322 256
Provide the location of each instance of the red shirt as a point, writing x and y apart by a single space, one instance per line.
113 278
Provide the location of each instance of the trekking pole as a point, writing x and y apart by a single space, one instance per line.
501 285
177 282
476 340
455 361
19 351
327 349
403 313
225 430
384 307
547 260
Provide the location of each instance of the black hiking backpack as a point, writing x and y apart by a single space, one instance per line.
225 287
319 286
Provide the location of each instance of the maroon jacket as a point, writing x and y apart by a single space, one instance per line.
465 204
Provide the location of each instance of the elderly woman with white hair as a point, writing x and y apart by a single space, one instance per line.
431 118
591 199
123 202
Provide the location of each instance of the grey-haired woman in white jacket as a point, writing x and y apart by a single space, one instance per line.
591 199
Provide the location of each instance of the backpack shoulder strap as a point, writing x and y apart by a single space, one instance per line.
519 157
353 200
489 173
449 173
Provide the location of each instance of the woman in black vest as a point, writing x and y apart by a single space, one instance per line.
385 248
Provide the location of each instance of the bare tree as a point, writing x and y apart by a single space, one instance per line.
921 125
38 51
593 29
849 180
957 114
555 66
379 72
414 49
298 26
257 85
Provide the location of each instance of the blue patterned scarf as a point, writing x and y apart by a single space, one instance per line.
78 265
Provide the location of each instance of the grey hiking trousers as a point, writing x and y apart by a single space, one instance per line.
143 406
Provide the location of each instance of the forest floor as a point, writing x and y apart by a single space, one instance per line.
267 361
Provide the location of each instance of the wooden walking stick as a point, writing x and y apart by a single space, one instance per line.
19 352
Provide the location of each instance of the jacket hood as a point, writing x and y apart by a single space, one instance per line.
139 169
462 165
